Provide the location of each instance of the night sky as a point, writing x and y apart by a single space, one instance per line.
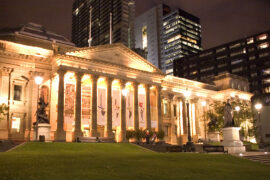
222 20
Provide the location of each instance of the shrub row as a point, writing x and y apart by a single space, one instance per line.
141 134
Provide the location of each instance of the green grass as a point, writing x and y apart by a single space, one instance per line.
121 161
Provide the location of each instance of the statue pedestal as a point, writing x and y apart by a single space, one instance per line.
231 140
43 129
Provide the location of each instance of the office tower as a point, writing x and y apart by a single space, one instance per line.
181 37
248 57
111 21
148 33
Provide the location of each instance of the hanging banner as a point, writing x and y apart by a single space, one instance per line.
101 101
153 109
86 106
129 110
142 117
115 108
69 109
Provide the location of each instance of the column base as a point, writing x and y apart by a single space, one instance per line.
109 134
60 136
122 137
94 133
77 134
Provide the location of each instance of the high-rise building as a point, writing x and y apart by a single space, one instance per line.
148 32
248 57
111 21
181 37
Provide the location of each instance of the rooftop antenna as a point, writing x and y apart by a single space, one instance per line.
110 28
90 26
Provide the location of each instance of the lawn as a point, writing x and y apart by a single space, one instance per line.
121 161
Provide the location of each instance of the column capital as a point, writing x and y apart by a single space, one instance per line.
6 71
122 83
94 77
61 71
79 74
135 83
109 79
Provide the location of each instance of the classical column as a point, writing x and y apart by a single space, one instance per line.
159 108
93 129
60 134
78 130
184 115
148 110
5 86
123 112
30 112
136 106
108 129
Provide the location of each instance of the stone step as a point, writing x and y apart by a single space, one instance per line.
259 158
95 140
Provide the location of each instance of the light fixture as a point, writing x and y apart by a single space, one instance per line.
124 92
187 94
258 106
237 108
203 103
38 80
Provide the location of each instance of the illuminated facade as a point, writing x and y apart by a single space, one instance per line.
181 37
99 91
120 25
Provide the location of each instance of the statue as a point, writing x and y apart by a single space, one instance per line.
228 115
41 112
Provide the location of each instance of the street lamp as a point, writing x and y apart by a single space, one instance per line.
258 107
38 81
189 144
203 105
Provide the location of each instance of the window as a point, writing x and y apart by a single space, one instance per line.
144 37
252 58
17 93
263 55
236 61
221 49
15 125
235 45
165 108
262 37
250 40
264 45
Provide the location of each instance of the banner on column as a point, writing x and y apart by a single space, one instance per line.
69 106
153 109
101 101
115 108
86 106
142 118
129 110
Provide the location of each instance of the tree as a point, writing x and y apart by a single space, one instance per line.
3 111
242 118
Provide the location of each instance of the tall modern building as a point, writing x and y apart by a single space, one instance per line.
181 37
167 35
248 57
111 21
148 33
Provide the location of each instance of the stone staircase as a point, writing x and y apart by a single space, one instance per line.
97 140
263 158
161 147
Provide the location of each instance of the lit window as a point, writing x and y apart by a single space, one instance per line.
264 45
262 37
165 108
15 126
144 37
250 40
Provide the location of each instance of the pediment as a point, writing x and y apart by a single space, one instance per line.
115 54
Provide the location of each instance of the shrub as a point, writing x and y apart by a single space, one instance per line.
130 134
160 134
139 134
